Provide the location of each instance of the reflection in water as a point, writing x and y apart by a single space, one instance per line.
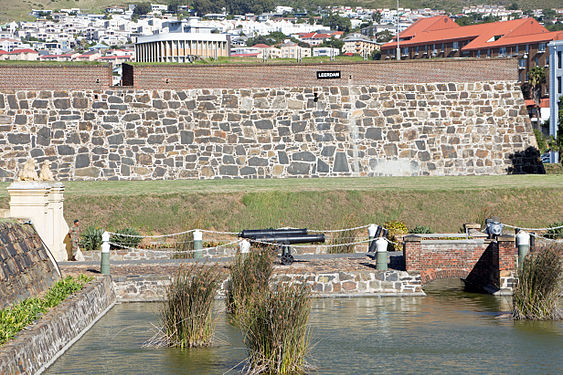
448 331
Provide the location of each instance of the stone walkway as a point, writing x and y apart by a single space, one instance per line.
303 264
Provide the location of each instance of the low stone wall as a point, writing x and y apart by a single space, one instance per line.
37 347
150 288
25 267
211 253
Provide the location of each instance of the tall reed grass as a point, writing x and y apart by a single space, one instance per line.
250 275
186 316
276 332
539 285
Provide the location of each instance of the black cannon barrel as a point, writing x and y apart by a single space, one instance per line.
254 233
291 239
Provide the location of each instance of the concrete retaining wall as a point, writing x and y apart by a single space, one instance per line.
35 348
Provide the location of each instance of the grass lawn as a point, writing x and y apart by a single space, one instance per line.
443 203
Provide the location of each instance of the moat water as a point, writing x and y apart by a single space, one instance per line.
447 332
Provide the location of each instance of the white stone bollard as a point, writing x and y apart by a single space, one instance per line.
381 254
523 244
244 247
198 244
104 266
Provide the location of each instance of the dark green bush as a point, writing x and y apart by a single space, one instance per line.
421 229
91 238
555 233
122 238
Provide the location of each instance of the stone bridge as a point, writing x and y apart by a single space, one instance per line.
483 264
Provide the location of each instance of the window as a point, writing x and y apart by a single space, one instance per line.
559 59
559 85
537 61
455 45
417 50
478 53
541 47
443 47
489 52
405 51
522 63
502 51
516 50
426 48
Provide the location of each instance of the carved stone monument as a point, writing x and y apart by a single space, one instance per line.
40 199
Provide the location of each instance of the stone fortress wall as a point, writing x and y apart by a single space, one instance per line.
458 122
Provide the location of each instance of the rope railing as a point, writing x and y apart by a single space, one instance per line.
175 251
532 229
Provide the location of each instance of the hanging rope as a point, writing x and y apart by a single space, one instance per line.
175 251
536 229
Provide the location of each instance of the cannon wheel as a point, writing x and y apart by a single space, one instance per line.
287 259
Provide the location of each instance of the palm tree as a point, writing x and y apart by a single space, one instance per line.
537 79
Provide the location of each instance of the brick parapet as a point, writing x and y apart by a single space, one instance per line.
236 76
14 77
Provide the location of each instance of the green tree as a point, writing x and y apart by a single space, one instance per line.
207 6
513 6
336 22
333 43
536 80
142 9
376 17
383 36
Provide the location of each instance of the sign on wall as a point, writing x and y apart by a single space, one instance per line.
329 74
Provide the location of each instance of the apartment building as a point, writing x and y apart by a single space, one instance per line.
441 37
358 44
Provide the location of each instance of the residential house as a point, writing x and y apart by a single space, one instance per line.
292 50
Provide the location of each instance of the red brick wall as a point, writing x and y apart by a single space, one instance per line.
304 75
481 261
54 77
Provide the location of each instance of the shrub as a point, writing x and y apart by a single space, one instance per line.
555 233
91 238
344 237
14 319
250 275
421 229
396 229
186 316
123 238
276 332
537 292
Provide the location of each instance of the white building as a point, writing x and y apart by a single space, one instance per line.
555 88
325 51
183 41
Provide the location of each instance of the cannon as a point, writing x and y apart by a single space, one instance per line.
282 238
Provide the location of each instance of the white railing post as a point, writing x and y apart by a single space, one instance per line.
104 266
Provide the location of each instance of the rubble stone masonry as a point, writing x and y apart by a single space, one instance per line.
449 128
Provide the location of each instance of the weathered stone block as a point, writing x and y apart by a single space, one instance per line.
340 163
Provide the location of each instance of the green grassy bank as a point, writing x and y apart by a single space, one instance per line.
443 203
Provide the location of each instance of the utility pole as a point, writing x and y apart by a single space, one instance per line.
398 22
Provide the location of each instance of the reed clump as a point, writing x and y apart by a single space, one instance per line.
186 316
276 332
539 285
250 276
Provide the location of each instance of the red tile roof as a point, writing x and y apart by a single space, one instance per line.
2 52
261 46
544 103
506 33
24 50
428 24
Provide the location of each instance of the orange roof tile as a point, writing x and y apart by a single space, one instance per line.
428 24
519 31
261 46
